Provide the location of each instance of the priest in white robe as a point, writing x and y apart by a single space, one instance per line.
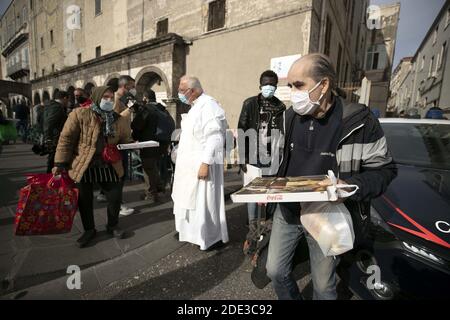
198 191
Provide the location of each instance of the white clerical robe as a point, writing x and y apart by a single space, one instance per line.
199 206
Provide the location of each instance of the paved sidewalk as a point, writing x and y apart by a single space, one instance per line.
33 261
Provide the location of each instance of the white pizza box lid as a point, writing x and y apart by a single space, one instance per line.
138 145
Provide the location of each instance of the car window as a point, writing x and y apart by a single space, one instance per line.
425 145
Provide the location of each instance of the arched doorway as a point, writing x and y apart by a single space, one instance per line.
46 97
113 83
55 92
88 88
154 79
36 98
71 92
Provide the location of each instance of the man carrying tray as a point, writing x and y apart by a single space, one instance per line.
321 135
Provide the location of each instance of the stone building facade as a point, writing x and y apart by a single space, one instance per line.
226 43
427 82
400 92
15 50
381 43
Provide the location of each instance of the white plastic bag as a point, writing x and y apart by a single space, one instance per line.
338 191
331 225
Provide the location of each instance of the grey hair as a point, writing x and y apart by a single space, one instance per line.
192 82
322 67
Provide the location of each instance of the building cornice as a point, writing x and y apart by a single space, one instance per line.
168 39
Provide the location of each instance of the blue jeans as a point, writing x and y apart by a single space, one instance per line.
283 243
253 207
252 211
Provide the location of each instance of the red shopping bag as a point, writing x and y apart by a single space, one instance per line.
47 206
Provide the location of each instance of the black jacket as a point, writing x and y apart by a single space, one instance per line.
40 117
22 112
250 120
144 127
55 116
363 159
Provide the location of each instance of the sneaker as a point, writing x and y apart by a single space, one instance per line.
86 238
116 232
125 211
101 198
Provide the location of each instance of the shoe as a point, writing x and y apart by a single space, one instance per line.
125 211
101 198
116 232
86 238
152 199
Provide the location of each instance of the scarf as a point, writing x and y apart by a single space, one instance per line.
108 119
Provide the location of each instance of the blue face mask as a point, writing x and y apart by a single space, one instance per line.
106 105
183 98
268 91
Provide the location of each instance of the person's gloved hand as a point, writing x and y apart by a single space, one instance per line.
243 168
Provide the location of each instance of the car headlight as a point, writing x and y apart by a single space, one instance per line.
422 253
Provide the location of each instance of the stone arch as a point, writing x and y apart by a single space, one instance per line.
113 81
45 96
71 91
148 77
55 91
36 98
89 86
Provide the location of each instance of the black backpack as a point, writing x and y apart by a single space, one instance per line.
166 124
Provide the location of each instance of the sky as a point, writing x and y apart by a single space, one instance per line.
3 6
416 18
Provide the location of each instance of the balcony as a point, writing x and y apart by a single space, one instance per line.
15 41
18 70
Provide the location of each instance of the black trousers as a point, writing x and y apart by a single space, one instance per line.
113 193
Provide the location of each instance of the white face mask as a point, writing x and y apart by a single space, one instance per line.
106 105
302 103
268 91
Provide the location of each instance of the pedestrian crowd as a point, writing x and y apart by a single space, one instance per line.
316 133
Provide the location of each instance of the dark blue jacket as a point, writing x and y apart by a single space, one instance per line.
362 157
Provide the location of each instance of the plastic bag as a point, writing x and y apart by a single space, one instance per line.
47 206
330 225
338 191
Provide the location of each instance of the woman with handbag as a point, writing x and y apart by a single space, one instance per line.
87 149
